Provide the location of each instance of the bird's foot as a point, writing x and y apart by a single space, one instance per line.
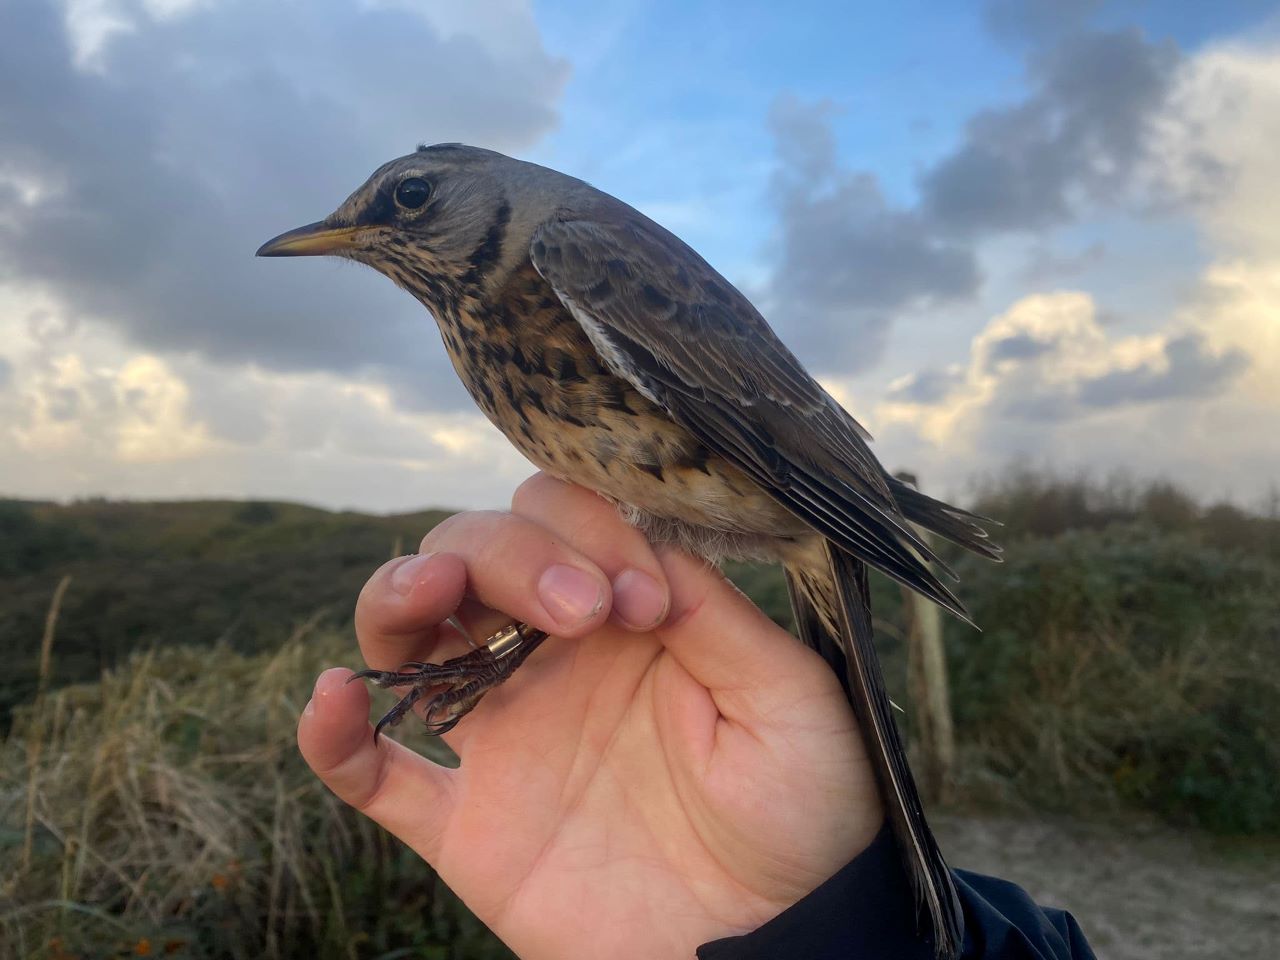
458 684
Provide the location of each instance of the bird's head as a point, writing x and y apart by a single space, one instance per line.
439 222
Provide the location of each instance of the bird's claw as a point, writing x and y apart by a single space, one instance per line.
461 681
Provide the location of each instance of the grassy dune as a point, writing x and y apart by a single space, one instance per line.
152 801
165 810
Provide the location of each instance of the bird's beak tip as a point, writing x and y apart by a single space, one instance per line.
313 240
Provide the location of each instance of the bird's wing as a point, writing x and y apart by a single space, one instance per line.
663 319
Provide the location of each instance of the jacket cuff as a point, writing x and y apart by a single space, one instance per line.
865 910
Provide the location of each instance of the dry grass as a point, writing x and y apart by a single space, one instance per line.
171 814
35 743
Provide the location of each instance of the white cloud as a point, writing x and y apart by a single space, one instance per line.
506 28
1047 359
1199 398
1219 145
90 25
84 413
150 146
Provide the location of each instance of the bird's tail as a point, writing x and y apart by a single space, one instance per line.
951 523
833 615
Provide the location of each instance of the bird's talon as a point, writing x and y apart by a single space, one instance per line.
464 679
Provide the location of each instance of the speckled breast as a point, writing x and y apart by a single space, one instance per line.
530 367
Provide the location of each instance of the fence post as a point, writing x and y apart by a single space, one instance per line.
929 691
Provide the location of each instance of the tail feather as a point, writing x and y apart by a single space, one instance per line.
809 627
833 616
951 523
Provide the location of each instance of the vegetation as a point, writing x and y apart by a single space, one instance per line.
171 815
1127 660
198 572
1128 654
1127 663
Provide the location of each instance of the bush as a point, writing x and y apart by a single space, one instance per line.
1126 662
239 573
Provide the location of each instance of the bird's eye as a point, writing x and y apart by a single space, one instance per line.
413 193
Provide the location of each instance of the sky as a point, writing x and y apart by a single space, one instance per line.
1034 232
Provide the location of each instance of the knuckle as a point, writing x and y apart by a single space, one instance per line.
506 542
435 534
533 493
460 529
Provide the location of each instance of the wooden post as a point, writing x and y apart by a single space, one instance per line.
929 692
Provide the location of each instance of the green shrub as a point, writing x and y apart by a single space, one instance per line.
1128 662
238 573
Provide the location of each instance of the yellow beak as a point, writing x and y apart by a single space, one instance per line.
313 240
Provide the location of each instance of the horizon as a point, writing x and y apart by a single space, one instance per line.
1115 485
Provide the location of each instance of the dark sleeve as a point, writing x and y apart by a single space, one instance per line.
866 911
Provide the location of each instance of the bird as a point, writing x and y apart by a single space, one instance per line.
615 357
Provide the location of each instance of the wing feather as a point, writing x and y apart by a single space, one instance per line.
663 319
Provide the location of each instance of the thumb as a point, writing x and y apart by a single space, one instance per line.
406 793
752 667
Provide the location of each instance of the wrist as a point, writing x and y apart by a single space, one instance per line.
865 909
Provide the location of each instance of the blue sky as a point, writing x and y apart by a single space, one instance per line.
1000 232
670 103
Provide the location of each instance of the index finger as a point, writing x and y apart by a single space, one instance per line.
401 607
508 563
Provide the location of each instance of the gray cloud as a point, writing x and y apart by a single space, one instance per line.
927 386
848 261
1047 363
1081 135
1018 346
195 137
6 372
1192 371
1018 21
1045 265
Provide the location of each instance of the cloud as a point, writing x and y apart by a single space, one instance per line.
847 261
926 387
1188 368
1196 399
1048 266
1017 346
149 148
85 413
1081 136
1225 115
1048 361
1036 21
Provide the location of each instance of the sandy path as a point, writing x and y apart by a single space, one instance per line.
1140 891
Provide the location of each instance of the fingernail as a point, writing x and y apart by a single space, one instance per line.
569 594
310 708
328 682
638 599
409 574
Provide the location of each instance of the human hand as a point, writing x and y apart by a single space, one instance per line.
669 768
